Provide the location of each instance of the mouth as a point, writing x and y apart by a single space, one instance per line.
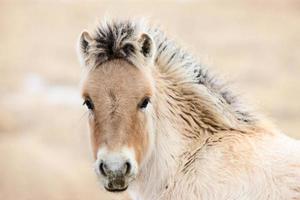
116 189
116 185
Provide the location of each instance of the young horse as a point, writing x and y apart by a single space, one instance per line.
162 126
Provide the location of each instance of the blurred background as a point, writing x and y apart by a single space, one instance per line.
44 143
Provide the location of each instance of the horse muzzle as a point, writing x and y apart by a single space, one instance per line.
116 175
116 169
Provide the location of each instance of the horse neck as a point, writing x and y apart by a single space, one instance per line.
159 169
172 136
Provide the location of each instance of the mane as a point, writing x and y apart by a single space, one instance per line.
117 40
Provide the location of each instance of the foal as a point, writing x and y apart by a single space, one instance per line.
164 128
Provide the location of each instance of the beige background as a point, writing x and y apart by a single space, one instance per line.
44 150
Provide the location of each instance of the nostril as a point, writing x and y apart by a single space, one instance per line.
114 168
102 169
127 168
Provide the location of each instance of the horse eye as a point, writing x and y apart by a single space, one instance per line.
144 103
89 104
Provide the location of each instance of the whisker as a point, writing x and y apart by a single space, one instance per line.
78 122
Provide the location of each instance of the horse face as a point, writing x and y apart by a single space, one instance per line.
118 97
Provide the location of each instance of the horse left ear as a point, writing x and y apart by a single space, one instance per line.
85 41
146 45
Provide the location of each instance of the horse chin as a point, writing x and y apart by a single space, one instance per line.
116 190
116 185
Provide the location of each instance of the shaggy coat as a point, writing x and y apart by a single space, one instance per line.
207 144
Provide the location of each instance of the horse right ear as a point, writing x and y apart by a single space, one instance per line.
85 41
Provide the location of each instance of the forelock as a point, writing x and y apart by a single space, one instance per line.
118 40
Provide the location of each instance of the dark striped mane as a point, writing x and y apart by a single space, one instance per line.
117 40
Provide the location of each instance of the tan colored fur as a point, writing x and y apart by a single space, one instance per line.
116 89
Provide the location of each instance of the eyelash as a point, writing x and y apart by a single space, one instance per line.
89 104
144 103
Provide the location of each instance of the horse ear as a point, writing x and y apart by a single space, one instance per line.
85 41
146 45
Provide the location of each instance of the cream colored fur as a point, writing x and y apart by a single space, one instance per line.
256 163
